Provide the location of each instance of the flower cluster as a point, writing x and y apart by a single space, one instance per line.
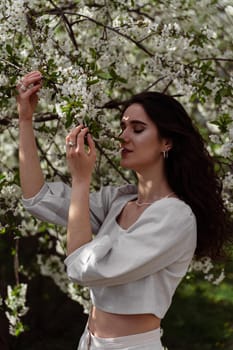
206 266
54 268
16 307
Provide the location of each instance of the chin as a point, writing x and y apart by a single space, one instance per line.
124 164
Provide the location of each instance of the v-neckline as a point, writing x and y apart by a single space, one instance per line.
133 196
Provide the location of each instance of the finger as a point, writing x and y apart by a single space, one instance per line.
70 145
28 80
80 139
31 75
71 138
35 72
91 144
75 131
29 91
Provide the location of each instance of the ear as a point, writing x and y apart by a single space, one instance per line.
168 144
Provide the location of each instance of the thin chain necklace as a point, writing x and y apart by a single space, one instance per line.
147 203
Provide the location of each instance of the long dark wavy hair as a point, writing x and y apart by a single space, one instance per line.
190 170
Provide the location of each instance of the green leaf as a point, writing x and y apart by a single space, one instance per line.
69 120
104 75
93 52
92 82
222 122
218 98
3 231
9 49
2 178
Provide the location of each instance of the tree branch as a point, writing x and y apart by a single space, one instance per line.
138 44
155 83
216 59
166 87
63 177
16 261
100 149
67 24
45 117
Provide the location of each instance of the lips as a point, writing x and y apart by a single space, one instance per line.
125 150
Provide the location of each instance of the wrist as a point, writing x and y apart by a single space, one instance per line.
25 120
84 183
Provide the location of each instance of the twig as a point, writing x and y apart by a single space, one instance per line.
56 172
110 162
46 117
16 261
118 32
154 83
166 88
68 26
29 20
216 59
11 64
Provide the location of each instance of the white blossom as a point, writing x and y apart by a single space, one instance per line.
220 278
226 149
16 307
205 265
229 10
215 139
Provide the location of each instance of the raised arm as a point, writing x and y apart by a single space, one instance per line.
81 162
31 176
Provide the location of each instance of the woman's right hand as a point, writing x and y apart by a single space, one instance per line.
81 160
27 98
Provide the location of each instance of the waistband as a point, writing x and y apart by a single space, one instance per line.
148 338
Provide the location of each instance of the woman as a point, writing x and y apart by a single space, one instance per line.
145 235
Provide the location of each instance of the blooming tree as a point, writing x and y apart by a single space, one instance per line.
91 52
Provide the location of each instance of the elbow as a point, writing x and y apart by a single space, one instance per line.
31 192
85 278
80 279
73 246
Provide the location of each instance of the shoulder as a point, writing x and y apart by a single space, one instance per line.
121 190
173 215
107 195
175 208
110 193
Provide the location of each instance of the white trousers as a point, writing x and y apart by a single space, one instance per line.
142 341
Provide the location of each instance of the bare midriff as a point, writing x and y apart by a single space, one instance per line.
108 325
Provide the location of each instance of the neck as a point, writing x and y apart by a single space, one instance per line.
152 188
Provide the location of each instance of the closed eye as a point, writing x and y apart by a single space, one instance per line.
136 126
138 131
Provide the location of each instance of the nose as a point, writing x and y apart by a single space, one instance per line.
124 136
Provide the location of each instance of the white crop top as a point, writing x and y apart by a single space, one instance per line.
129 271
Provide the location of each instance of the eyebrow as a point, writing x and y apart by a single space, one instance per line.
134 121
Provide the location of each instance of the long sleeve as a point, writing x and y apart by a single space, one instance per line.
165 234
51 204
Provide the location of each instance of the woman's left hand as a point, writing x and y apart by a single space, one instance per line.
80 160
